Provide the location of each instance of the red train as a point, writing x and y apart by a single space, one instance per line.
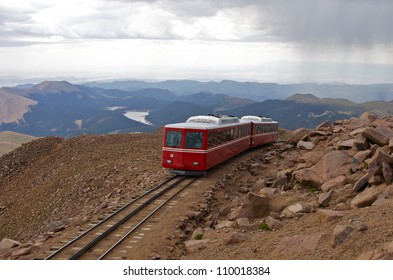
202 142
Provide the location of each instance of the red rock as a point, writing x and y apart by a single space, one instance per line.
254 206
366 197
341 232
235 237
324 198
361 183
306 145
327 215
273 223
324 126
334 183
7 244
331 165
298 134
387 173
380 156
195 245
376 136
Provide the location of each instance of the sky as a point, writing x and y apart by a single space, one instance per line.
285 41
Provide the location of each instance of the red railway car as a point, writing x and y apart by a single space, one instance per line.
263 131
202 142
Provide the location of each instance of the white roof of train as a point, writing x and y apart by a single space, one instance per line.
258 119
212 121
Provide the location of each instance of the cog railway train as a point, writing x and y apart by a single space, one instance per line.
202 142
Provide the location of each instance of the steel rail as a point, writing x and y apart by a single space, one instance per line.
93 242
109 217
144 220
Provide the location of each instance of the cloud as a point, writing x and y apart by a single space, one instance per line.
307 23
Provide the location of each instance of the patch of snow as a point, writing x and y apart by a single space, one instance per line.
114 108
139 116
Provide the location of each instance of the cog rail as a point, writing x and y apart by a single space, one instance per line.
103 238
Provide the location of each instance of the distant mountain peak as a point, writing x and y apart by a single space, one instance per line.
304 98
56 87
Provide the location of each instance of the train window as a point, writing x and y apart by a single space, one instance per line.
173 139
194 140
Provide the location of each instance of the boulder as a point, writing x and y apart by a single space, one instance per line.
364 120
331 165
361 143
366 197
224 224
325 198
7 244
235 237
346 144
327 215
242 222
324 126
310 158
379 156
387 173
341 232
379 137
361 183
254 206
299 207
361 156
368 116
192 246
272 223
298 134
269 192
335 183
306 145
282 182
357 131
258 185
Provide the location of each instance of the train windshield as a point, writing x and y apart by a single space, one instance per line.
194 140
173 139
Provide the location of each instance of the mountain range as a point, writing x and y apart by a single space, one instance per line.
60 108
260 91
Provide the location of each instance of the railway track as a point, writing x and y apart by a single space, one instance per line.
107 239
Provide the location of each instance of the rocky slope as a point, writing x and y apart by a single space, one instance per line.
323 193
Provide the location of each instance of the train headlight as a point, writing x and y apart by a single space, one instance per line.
195 163
168 161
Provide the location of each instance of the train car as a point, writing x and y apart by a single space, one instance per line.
264 130
202 142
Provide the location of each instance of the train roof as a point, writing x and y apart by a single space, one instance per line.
258 119
214 121
207 122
